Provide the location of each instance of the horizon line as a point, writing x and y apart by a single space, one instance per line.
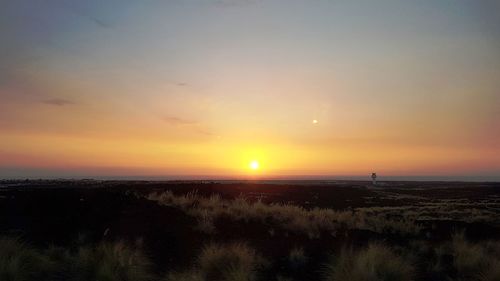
422 178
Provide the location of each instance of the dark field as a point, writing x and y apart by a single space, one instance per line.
249 230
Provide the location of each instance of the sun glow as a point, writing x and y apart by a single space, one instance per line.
254 165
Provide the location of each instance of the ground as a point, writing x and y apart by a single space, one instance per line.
73 213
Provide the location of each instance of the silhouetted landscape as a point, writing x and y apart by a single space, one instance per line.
340 230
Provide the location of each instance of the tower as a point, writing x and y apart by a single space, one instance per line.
374 178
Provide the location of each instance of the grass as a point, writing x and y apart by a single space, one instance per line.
460 259
475 261
239 262
103 262
311 222
375 263
109 261
206 222
468 258
18 262
457 259
234 262
119 262
216 262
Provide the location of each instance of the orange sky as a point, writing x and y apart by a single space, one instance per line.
201 88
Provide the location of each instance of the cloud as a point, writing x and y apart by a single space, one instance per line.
175 121
88 16
235 3
204 132
192 125
58 102
99 22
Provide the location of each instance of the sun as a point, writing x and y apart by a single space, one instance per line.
254 165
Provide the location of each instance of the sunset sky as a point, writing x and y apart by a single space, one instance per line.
211 87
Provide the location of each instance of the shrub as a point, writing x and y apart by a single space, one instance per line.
480 261
104 262
468 259
109 262
19 262
229 263
375 263
206 222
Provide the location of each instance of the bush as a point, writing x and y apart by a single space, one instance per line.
480 261
375 263
206 222
104 262
109 262
19 262
468 259
236 262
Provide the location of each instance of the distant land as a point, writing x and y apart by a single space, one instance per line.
274 179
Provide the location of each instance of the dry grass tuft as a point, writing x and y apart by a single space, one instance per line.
479 261
234 262
467 258
109 261
376 262
18 262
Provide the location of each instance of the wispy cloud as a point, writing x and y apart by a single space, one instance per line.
235 3
96 20
204 132
175 121
58 102
192 125
99 22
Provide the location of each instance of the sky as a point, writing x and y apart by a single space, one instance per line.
249 88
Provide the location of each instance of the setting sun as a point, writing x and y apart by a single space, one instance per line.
254 165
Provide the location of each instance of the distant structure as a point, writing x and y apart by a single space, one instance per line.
374 178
